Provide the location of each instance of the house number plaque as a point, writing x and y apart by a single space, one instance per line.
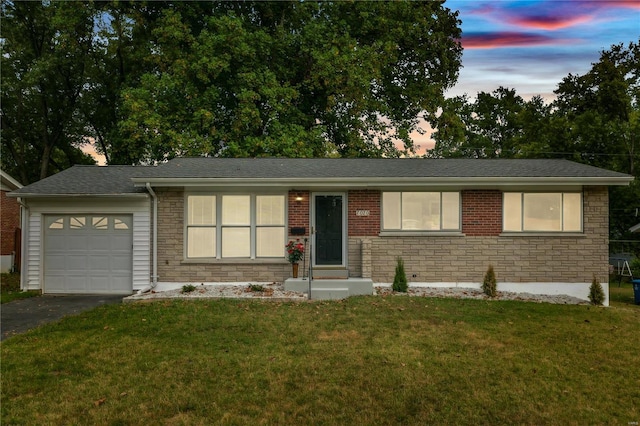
363 212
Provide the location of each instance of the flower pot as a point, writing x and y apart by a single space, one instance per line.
294 270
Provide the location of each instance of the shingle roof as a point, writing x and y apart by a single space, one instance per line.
372 167
117 180
88 180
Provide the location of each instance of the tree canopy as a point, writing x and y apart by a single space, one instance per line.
595 119
147 81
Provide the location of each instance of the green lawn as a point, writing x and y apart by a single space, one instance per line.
10 288
365 360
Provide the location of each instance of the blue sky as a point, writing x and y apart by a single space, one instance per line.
531 45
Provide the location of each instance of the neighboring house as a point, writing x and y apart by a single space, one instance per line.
9 224
542 224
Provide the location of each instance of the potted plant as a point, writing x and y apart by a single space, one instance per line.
295 251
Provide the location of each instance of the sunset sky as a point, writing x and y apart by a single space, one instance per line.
530 45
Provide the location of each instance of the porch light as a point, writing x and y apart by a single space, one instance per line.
299 198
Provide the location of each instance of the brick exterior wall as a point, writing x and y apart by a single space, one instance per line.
171 264
298 211
368 200
574 259
10 221
435 258
298 215
481 213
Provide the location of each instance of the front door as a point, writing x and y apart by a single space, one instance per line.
329 229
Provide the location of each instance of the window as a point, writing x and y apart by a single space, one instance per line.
201 226
249 226
270 226
55 222
100 222
77 222
236 226
542 212
421 211
121 223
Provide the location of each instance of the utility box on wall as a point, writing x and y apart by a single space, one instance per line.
298 231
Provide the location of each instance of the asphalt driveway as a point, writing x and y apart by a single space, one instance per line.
22 315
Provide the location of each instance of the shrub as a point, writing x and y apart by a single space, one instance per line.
188 288
400 279
635 267
596 293
256 288
489 283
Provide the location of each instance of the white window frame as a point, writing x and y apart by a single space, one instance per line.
562 209
219 226
406 230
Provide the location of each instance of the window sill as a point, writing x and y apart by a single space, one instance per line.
543 234
242 261
421 234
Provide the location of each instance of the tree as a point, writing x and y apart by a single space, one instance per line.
288 79
595 120
602 109
45 49
490 127
147 81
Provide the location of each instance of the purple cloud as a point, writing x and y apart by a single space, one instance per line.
550 22
550 15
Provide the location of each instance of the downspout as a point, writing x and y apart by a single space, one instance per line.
154 242
24 213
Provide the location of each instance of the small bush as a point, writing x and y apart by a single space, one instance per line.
400 279
596 293
188 288
256 288
635 267
489 283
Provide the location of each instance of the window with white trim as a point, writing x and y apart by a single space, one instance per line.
542 212
201 226
227 226
421 211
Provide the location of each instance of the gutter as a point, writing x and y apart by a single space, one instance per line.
40 195
154 273
24 217
391 182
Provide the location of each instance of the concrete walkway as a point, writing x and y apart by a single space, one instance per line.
22 315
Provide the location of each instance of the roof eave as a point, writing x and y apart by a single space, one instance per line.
346 182
10 181
41 195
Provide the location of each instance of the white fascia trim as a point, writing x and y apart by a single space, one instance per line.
11 181
57 196
373 182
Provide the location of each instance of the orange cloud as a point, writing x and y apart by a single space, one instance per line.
550 22
627 4
505 39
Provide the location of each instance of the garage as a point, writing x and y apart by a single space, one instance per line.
88 253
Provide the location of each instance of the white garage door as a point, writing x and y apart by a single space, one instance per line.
88 253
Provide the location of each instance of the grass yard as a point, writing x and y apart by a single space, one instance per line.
10 289
365 360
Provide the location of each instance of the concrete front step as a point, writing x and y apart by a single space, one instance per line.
331 288
319 273
329 293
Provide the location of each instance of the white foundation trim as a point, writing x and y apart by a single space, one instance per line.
579 290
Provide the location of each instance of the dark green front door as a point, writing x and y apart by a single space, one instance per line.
328 228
